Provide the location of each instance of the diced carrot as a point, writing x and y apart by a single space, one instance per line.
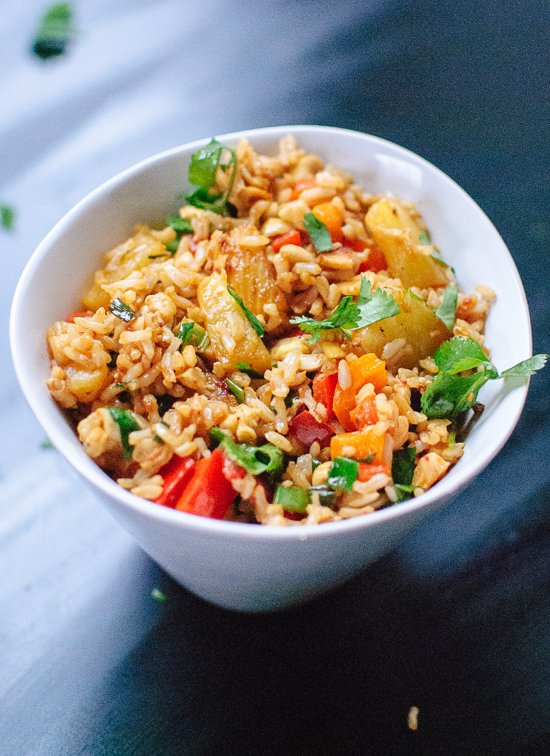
175 474
208 493
358 245
77 314
363 443
301 185
324 385
367 470
375 262
332 217
365 414
366 369
291 237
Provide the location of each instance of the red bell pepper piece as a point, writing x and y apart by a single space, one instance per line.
307 429
208 493
374 262
291 237
358 245
324 386
175 473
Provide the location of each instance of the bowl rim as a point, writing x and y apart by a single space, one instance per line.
220 528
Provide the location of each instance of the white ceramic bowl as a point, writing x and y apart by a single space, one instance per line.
248 567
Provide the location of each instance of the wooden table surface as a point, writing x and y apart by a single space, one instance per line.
456 621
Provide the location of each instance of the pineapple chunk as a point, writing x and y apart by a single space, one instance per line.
396 235
232 338
417 325
250 273
133 254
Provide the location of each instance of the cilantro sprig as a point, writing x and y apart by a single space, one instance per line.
202 173
181 226
54 32
370 307
452 392
252 319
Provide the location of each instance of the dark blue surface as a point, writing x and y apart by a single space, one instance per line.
457 620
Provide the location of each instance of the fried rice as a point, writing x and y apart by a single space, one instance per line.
162 353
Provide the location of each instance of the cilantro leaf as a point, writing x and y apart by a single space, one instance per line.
255 459
202 173
179 224
127 423
204 164
402 467
374 306
446 312
526 367
345 317
449 395
459 354
122 310
7 217
403 491
252 319
318 232
54 32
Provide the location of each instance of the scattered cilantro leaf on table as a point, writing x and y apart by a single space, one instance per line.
54 33
7 217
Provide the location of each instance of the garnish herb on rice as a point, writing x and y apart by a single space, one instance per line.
7 217
127 423
244 367
181 226
446 312
318 232
402 471
236 390
254 422
55 32
370 307
254 459
122 310
455 389
191 333
203 170
252 319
